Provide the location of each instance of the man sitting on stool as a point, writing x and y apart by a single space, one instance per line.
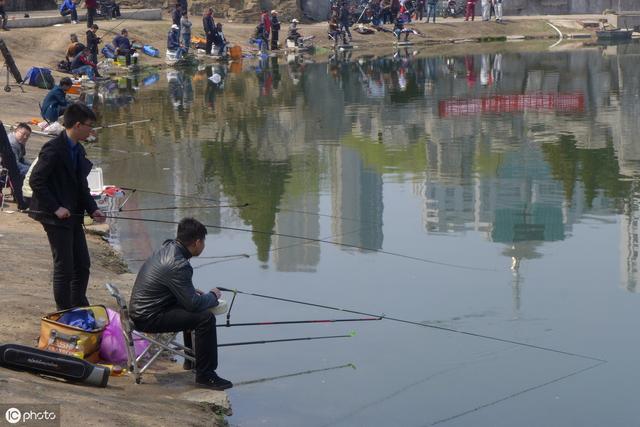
163 299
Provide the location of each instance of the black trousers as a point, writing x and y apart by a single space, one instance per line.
71 264
177 319
209 44
91 15
274 40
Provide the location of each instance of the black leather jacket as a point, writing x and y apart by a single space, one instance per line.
164 281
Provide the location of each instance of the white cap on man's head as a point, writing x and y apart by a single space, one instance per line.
294 21
274 12
175 27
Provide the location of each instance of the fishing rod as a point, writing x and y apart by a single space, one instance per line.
122 21
311 239
410 322
232 344
280 248
296 374
162 193
167 208
188 196
299 322
135 122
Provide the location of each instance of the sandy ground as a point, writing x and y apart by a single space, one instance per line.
25 278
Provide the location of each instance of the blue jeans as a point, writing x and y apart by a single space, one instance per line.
72 12
85 69
431 11
186 40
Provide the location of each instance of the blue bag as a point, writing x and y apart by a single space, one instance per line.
109 51
40 77
150 50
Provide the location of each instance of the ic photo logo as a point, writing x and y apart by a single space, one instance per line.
13 415
31 415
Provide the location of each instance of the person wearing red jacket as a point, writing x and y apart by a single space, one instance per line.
81 64
470 12
91 5
265 20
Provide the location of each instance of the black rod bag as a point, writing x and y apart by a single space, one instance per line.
43 362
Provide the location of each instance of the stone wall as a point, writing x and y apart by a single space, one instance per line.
20 5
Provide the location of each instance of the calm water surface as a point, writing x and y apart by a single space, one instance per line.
508 178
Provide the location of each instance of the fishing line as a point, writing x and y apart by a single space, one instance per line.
300 322
311 371
278 248
162 193
511 396
325 337
311 239
167 208
410 322
206 257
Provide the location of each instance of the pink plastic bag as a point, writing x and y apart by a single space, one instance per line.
113 348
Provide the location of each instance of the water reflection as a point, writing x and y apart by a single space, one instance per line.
519 147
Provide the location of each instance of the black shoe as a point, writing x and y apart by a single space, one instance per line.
214 382
188 365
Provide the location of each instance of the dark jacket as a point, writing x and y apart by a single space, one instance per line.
173 40
81 60
176 16
121 42
55 99
93 41
164 281
275 24
57 183
208 25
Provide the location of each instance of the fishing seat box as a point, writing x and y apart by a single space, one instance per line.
70 340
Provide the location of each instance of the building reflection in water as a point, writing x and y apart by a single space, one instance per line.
519 147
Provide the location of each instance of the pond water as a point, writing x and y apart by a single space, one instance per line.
490 194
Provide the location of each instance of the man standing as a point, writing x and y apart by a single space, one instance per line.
3 15
470 11
185 31
176 16
92 42
486 10
209 29
18 140
55 102
498 7
60 197
431 10
275 29
265 21
164 299
345 19
91 11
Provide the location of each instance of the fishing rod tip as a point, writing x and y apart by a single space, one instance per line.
351 365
